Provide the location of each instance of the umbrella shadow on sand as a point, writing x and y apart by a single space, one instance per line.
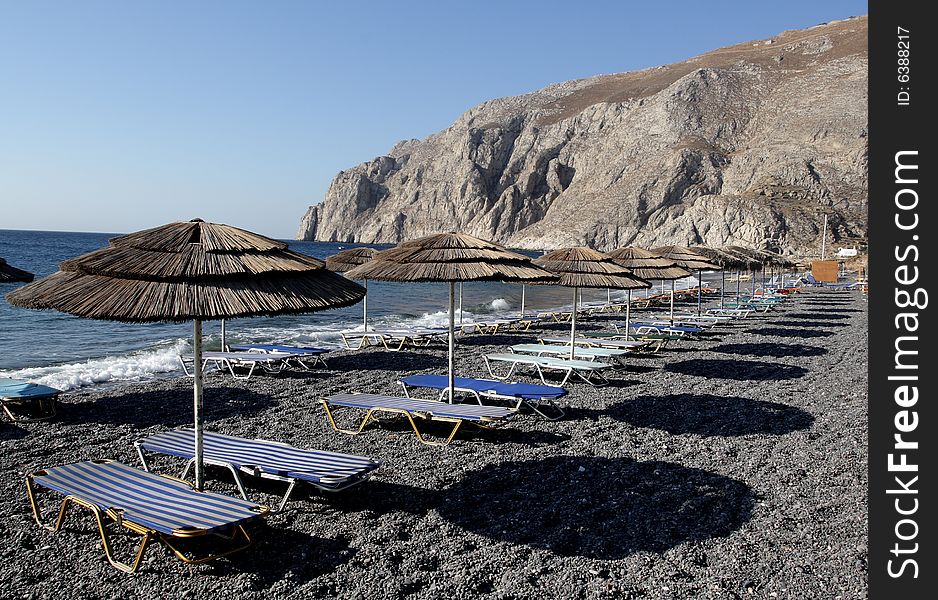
10 431
707 415
772 350
597 507
739 370
788 332
817 315
167 408
384 360
280 552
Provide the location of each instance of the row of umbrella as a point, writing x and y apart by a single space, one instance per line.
197 271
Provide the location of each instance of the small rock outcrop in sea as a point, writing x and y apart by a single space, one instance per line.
741 145
10 273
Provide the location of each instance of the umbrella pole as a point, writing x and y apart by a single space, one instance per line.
365 307
522 300
460 303
739 275
224 344
699 289
672 303
722 285
628 314
573 324
452 341
608 296
197 404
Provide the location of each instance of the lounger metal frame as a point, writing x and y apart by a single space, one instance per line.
540 363
256 472
533 403
147 534
370 413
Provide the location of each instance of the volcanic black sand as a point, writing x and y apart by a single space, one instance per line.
732 466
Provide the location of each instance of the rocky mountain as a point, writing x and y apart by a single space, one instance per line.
750 144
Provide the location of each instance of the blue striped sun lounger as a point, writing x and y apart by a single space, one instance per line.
589 371
531 395
328 471
411 408
299 354
155 507
19 394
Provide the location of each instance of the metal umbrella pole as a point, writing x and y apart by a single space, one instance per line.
460 303
197 403
573 324
699 289
365 306
672 303
522 300
722 285
452 342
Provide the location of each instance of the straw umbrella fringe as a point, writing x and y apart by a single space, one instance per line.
450 258
688 259
584 267
345 261
189 271
646 265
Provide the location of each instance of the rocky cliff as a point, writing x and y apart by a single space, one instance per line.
749 144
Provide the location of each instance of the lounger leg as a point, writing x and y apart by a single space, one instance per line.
195 561
108 551
286 496
535 405
361 426
423 440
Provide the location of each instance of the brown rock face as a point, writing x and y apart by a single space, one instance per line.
750 144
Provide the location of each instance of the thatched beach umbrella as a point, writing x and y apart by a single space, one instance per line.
725 260
9 273
190 271
584 267
646 265
690 260
450 258
345 261
755 258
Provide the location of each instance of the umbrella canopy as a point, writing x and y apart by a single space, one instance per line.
685 257
727 261
450 258
346 260
857 263
585 267
648 265
190 271
9 273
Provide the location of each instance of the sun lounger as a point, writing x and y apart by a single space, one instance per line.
563 351
590 342
685 330
269 361
393 339
533 396
38 399
328 471
155 507
589 371
412 408
303 357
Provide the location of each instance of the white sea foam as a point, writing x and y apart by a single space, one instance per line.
135 366
499 304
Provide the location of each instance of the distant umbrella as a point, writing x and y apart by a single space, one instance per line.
584 267
345 261
687 258
727 261
450 258
190 271
647 265
9 273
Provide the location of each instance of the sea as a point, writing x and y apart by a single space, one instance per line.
67 352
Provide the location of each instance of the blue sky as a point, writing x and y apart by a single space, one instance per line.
117 116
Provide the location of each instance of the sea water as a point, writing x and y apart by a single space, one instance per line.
67 352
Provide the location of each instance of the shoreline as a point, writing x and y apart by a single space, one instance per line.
728 466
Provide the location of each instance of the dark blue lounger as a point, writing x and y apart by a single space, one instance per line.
530 394
17 392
